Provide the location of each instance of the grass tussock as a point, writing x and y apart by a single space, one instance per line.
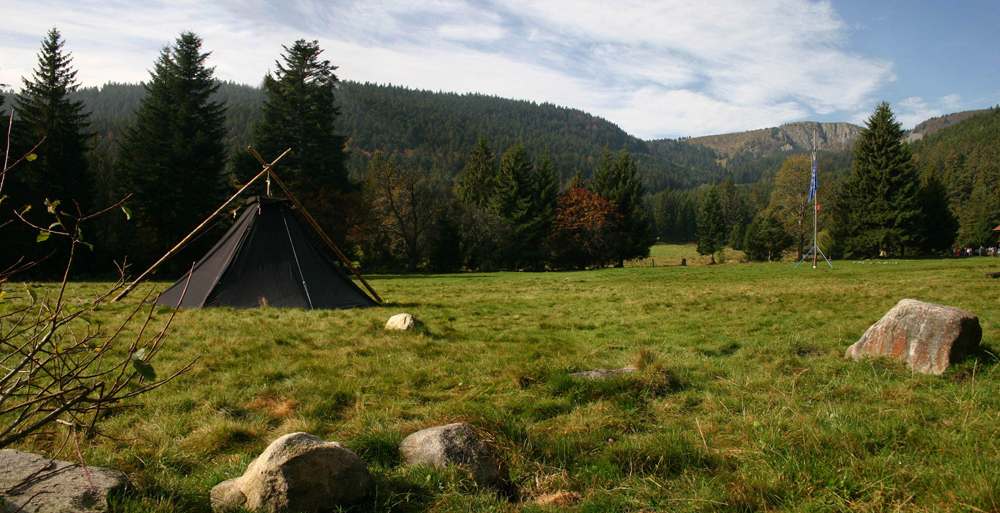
740 400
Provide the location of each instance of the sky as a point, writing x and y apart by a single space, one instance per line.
656 68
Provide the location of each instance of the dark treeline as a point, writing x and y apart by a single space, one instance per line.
416 180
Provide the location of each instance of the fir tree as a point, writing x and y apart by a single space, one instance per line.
174 154
513 202
878 210
300 113
617 180
939 226
477 181
44 109
711 224
766 239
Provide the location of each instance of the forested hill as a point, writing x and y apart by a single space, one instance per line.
965 155
438 130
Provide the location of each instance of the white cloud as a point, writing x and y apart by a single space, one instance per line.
665 68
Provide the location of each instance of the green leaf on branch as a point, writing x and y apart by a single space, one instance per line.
31 157
144 369
51 206
42 237
128 213
141 366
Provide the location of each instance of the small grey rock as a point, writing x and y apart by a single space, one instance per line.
30 483
452 444
603 374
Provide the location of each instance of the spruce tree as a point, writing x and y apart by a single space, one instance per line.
939 227
711 224
478 181
44 109
174 154
618 180
878 210
512 201
301 113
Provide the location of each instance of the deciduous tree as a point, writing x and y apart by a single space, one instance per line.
587 230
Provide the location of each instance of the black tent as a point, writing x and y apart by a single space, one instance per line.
266 258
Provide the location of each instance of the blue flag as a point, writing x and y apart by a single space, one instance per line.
812 183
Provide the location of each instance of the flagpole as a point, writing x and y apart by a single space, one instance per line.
814 198
815 202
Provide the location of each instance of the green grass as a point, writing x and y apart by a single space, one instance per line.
743 401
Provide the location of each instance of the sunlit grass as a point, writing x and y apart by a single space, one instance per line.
743 400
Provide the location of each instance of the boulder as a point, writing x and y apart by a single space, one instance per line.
603 374
403 321
297 472
928 337
30 483
453 444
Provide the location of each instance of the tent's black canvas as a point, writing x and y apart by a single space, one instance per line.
266 257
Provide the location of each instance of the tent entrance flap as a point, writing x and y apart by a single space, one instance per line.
266 258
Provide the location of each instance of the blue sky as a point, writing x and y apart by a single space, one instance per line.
666 68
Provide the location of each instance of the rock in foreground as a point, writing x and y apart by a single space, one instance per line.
30 483
452 444
297 472
928 337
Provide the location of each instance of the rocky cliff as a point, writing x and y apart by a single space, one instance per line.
785 138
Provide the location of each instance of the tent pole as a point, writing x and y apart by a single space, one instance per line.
315 225
180 245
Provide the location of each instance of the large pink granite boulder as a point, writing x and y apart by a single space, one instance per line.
928 337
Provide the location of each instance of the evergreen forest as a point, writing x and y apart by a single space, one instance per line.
411 180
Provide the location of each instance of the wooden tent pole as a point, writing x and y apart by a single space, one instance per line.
187 239
315 225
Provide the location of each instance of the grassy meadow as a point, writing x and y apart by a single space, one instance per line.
743 401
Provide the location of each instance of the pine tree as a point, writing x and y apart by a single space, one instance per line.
878 210
484 230
44 109
939 226
711 224
174 154
300 113
766 239
617 180
513 202
477 181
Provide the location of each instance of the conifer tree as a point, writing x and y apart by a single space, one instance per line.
513 202
174 154
878 210
44 109
711 224
484 231
766 239
477 181
617 180
300 113
939 226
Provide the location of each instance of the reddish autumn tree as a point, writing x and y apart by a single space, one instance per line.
587 230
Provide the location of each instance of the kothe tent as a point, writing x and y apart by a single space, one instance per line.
266 259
